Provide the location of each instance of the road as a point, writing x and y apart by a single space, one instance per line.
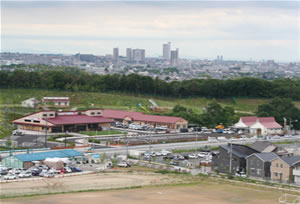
180 145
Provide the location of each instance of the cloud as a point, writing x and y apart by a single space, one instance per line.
220 22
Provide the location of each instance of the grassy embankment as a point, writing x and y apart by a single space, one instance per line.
10 103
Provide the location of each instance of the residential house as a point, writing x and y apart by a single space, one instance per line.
266 146
57 101
221 161
30 103
258 164
286 169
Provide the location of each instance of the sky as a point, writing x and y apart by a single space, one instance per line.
240 30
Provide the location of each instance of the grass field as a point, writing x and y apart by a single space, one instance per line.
104 132
10 103
83 100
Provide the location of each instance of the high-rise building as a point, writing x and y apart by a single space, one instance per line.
166 51
129 54
138 55
116 55
174 59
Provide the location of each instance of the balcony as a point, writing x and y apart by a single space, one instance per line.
296 172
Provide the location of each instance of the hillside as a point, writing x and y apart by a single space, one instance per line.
10 102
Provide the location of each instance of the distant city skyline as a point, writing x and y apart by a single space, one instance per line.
237 30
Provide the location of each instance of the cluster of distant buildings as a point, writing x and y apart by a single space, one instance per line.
136 61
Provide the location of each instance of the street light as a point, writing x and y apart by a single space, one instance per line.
291 125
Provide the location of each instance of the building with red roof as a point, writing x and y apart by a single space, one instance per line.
127 117
259 126
63 121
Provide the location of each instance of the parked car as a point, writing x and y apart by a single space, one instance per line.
123 164
184 130
68 169
36 172
49 174
10 177
75 169
193 156
18 133
25 174
241 174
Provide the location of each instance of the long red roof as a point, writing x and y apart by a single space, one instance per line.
78 119
269 122
250 120
139 116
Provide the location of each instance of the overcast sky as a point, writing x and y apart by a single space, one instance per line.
204 29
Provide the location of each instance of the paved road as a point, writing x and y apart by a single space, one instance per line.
180 145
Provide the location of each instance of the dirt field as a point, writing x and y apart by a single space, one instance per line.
206 193
87 182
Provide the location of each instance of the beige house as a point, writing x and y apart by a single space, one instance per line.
286 169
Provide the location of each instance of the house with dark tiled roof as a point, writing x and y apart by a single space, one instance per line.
286 169
258 164
221 161
266 146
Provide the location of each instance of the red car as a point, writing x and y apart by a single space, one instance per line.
63 171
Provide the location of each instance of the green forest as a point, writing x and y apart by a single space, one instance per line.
77 80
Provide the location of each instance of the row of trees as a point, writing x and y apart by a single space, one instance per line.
136 84
214 115
281 108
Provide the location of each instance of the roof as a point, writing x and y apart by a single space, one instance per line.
77 119
292 160
61 99
52 154
269 122
235 151
265 156
250 120
119 114
139 116
261 145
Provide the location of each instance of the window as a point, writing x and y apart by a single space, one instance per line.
59 103
27 120
258 171
66 103
276 164
92 113
36 121
281 166
51 115
275 174
98 113
44 115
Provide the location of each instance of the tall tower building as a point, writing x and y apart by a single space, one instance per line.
115 55
129 54
138 55
166 50
174 60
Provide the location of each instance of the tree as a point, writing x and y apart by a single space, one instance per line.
280 108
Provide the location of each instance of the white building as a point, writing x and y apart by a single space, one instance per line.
30 103
265 126
166 51
57 101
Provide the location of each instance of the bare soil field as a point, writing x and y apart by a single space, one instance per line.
99 181
205 192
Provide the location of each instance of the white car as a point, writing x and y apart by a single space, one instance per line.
68 169
202 154
165 152
25 174
123 164
193 156
10 177
49 175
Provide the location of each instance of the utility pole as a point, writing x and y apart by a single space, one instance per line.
230 162
46 130
196 143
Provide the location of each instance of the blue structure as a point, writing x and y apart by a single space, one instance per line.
25 160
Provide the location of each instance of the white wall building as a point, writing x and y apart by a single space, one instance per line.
30 103
265 126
